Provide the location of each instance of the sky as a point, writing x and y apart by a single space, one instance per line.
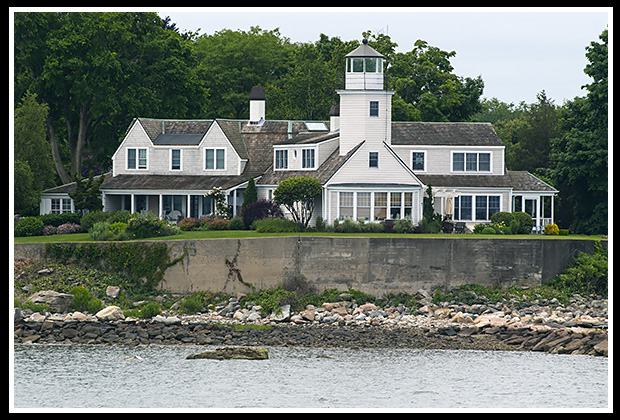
518 52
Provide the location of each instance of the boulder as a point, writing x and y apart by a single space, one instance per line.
232 353
58 302
112 291
110 313
283 315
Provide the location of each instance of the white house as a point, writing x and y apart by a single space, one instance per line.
371 168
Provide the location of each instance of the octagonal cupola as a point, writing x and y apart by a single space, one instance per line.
364 68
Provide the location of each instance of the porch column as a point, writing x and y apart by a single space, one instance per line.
132 204
161 206
188 206
552 215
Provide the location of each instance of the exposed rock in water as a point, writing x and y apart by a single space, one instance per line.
232 353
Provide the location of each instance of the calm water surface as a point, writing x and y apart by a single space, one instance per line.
91 376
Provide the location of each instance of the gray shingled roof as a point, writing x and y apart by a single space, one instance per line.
171 182
517 180
445 134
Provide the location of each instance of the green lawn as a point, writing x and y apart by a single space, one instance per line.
83 237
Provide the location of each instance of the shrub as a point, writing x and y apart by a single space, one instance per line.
100 231
525 222
147 226
49 230
479 227
192 303
92 217
236 224
502 216
349 226
29 226
57 219
488 231
403 226
84 301
150 310
217 224
372 227
189 223
68 228
552 229
260 209
585 275
120 216
275 225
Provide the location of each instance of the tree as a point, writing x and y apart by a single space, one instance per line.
250 194
87 195
298 195
581 155
97 71
423 79
33 167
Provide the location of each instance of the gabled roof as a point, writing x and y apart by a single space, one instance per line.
515 180
364 50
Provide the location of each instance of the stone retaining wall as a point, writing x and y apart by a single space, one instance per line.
373 265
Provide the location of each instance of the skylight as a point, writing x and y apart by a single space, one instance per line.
316 126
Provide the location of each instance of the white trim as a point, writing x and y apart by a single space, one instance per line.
411 152
137 168
215 168
465 171
180 160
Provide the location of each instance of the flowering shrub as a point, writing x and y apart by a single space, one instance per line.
217 224
189 223
68 228
552 229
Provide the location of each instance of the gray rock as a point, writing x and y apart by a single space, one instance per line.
58 302
232 353
283 315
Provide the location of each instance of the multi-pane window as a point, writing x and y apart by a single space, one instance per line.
281 159
417 161
215 159
346 205
175 159
307 158
482 206
374 108
395 201
373 159
61 205
380 212
136 159
471 162
363 206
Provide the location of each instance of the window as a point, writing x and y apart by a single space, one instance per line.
363 206
458 162
462 207
215 159
307 158
471 162
484 162
380 212
346 205
408 205
417 161
481 207
395 201
61 205
357 65
374 108
373 159
175 159
370 65
136 159
281 159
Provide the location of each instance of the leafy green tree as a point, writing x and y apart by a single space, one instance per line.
250 195
581 154
298 195
87 195
96 71
33 168
423 79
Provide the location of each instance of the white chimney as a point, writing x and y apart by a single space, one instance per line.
334 118
257 105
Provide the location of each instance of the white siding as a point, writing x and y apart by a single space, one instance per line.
192 157
439 159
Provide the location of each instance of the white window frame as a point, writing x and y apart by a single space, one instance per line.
371 109
308 156
465 153
138 167
204 158
61 205
280 162
412 160
474 198
180 168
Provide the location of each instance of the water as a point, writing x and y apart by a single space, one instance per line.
91 376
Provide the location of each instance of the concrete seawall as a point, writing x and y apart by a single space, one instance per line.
373 265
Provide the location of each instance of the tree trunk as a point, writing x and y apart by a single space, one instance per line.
60 169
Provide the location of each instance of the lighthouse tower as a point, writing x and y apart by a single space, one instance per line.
365 106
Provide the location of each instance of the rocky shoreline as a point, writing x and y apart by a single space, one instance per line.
544 326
